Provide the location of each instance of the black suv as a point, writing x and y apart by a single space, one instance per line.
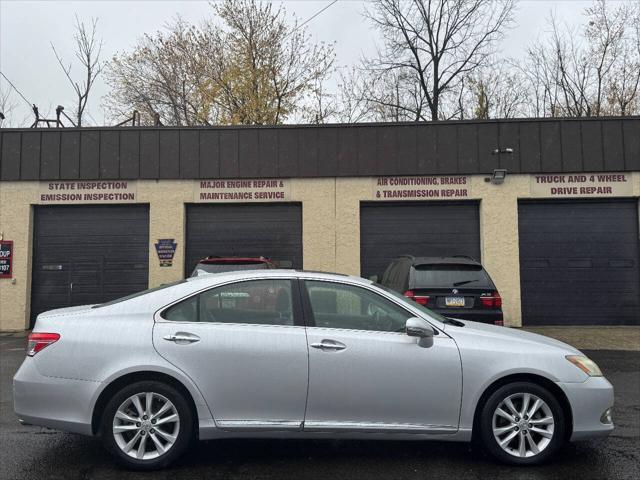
457 287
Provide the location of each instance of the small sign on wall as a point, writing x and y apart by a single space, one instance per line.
245 190
166 249
6 258
112 191
421 188
581 185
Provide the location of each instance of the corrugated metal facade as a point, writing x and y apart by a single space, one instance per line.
542 145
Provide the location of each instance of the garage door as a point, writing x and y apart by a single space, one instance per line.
579 263
88 254
388 230
244 230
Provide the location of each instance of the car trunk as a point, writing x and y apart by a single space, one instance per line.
453 299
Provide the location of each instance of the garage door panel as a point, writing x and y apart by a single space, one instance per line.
388 230
102 250
579 262
580 276
248 230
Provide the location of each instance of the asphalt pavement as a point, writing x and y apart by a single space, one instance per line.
28 452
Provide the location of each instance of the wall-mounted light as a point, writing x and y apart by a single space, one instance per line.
498 176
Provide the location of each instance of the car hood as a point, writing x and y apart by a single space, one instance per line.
508 334
65 311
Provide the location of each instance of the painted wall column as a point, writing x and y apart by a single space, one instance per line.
499 241
349 193
16 223
318 221
167 211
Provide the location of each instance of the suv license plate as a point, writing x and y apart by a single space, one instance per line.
454 301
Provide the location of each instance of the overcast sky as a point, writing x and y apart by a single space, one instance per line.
28 27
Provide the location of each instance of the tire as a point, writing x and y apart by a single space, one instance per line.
164 435
541 438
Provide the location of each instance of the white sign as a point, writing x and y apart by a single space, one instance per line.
581 185
246 190
421 188
90 191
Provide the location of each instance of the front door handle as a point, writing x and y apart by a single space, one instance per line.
329 345
182 338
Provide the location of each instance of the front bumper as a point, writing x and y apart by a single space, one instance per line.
58 403
589 400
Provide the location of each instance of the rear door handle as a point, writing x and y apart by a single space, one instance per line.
329 345
182 338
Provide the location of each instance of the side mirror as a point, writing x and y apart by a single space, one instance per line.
417 327
374 278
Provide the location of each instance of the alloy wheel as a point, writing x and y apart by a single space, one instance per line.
523 425
146 425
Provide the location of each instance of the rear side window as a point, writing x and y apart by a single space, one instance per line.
260 302
138 294
449 275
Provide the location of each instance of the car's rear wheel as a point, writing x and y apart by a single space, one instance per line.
522 423
147 425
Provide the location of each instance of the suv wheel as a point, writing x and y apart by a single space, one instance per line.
522 423
147 425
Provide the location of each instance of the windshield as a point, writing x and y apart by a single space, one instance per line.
449 275
422 308
227 267
138 294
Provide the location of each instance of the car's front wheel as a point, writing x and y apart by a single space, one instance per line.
522 423
147 425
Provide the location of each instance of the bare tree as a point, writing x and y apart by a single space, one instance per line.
352 95
7 107
495 91
591 72
87 51
247 65
163 75
429 46
321 106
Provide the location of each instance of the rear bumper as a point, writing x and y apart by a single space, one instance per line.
483 316
58 403
589 400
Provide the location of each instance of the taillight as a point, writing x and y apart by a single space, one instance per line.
38 341
498 301
492 301
421 299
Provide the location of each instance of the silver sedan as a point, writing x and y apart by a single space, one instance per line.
290 354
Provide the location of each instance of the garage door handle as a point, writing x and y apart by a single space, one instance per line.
181 337
329 346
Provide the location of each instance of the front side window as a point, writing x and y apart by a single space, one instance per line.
336 305
261 302
422 308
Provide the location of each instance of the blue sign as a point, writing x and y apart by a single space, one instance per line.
166 249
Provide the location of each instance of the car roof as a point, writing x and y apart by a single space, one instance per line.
221 277
456 260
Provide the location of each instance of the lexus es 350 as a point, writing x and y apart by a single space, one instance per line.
290 354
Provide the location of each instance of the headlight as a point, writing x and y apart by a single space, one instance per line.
585 364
